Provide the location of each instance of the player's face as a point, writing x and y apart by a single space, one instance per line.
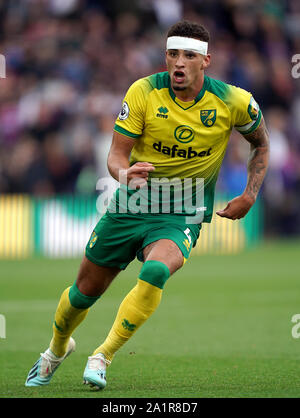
186 68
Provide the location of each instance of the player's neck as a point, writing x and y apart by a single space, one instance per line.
191 92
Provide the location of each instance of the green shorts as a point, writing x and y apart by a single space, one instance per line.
118 238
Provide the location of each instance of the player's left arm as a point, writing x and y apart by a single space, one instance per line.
238 207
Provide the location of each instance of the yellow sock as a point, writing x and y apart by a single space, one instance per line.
134 310
67 318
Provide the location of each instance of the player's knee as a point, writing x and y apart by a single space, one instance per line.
79 300
155 273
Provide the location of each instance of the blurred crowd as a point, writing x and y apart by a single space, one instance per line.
69 64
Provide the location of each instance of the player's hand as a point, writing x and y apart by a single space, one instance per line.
137 175
237 208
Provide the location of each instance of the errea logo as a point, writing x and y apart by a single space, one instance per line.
162 112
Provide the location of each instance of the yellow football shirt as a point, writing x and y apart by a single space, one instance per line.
185 139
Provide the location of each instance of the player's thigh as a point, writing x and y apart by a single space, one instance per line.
92 279
114 241
165 251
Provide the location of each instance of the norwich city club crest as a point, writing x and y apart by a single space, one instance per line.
93 239
208 117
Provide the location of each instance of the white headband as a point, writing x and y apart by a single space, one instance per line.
187 44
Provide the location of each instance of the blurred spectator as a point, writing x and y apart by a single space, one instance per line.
281 201
69 64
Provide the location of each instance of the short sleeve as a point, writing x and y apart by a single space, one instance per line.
130 121
246 113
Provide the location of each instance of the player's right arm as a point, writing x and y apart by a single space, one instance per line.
118 162
128 129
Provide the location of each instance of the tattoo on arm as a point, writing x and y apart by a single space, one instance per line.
258 160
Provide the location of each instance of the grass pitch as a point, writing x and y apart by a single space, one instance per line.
223 329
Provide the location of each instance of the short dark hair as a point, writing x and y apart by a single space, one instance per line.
189 30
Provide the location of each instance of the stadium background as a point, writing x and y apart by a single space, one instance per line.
68 66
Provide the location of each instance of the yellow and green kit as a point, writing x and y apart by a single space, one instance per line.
183 140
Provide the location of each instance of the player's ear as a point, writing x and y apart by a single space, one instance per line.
206 62
167 61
